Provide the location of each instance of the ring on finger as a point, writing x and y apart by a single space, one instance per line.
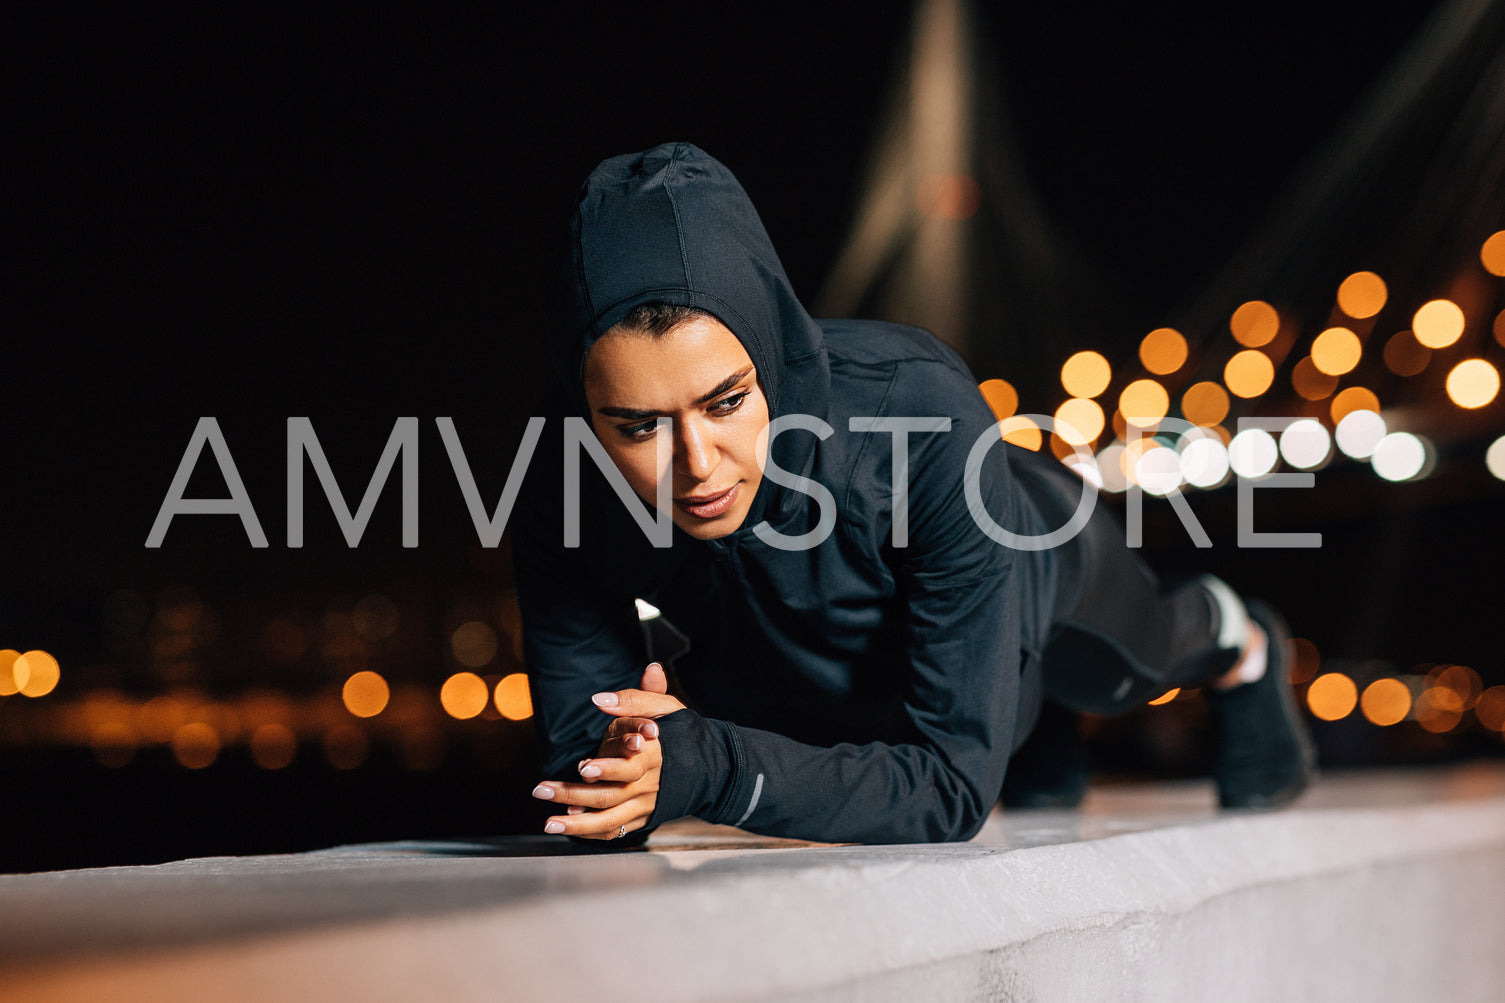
621 831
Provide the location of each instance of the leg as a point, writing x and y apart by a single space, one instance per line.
1121 639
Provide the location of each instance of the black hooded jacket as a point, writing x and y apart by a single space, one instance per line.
851 692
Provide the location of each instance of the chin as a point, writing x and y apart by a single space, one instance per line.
713 529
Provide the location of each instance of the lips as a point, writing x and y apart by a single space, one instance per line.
708 506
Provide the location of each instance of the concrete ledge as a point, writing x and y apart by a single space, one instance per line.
1377 886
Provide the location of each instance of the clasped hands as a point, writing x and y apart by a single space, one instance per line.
619 784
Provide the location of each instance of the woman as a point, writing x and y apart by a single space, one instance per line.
861 665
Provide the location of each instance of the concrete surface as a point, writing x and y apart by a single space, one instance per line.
1377 886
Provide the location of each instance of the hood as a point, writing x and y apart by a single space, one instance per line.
672 224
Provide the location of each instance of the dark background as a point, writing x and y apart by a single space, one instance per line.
350 215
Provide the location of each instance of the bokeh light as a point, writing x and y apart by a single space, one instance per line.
1086 374
464 695
1353 399
1163 351
1306 660
113 744
1439 709
1021 431
1438 324
1079 421
473 644
1165 697
1254 324
1001 397
1359 432
1473 383
1490 708
1362 295
1386 702
513 699
1336 351
1204 461
1205 403
1494 460
1310 382
1405 356
1332 696
8 684
1158 470
366 694
1110 468
1305 443
1492 253
1499 328
36 673
195 745
1399 456
1249 373
1253 453
273 746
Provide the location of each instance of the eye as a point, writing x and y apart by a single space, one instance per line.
727 405
638 432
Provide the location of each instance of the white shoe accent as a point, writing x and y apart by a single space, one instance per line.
1233 619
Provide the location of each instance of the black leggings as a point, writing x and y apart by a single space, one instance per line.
1119 637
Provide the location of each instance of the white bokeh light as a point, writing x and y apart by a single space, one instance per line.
1305 443
1086 469
1400 456
1110 468
1159 470
1494 459
1204 460
1359 433
1253 453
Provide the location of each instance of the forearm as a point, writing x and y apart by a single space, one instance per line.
774 785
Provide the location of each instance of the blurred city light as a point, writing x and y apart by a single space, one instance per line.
1079 421
1144 403
366 693
1254 324
1158 470
1405 356
1305 443
35 673
513 698
1021 431
1359 432
1336 351
273 746
464 695
1473 383
1332 696
1204 460
1205 403
1353 399
1001 397
1165 697
1438 324
1310 382
1163 351
1086 374
1386 702
8 684
1399 456
1494 459
195 745
1253 453
474 644
1492 253
1249 373
1362 295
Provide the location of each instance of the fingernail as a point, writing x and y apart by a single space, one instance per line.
573 809
543 792
554 828
651 729
635 742
604 699
590 771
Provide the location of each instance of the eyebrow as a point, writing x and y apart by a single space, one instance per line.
714 392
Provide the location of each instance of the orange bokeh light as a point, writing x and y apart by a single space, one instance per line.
1163 351
1249 373
1332 696
1205 403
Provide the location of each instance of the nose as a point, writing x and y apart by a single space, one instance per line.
696 454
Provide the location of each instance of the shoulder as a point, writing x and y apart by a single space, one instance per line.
885 369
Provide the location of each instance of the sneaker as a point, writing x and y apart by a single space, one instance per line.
1050 770
1265 756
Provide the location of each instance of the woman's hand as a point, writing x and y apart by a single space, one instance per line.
620 783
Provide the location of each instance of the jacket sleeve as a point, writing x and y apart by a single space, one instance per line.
962 646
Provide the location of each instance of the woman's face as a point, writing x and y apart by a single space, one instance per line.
699 376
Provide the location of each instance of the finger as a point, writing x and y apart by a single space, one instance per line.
654 679
627 703
610 770
626 747
623 725
596 795
604 824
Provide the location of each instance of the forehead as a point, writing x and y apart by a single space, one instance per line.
631 368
